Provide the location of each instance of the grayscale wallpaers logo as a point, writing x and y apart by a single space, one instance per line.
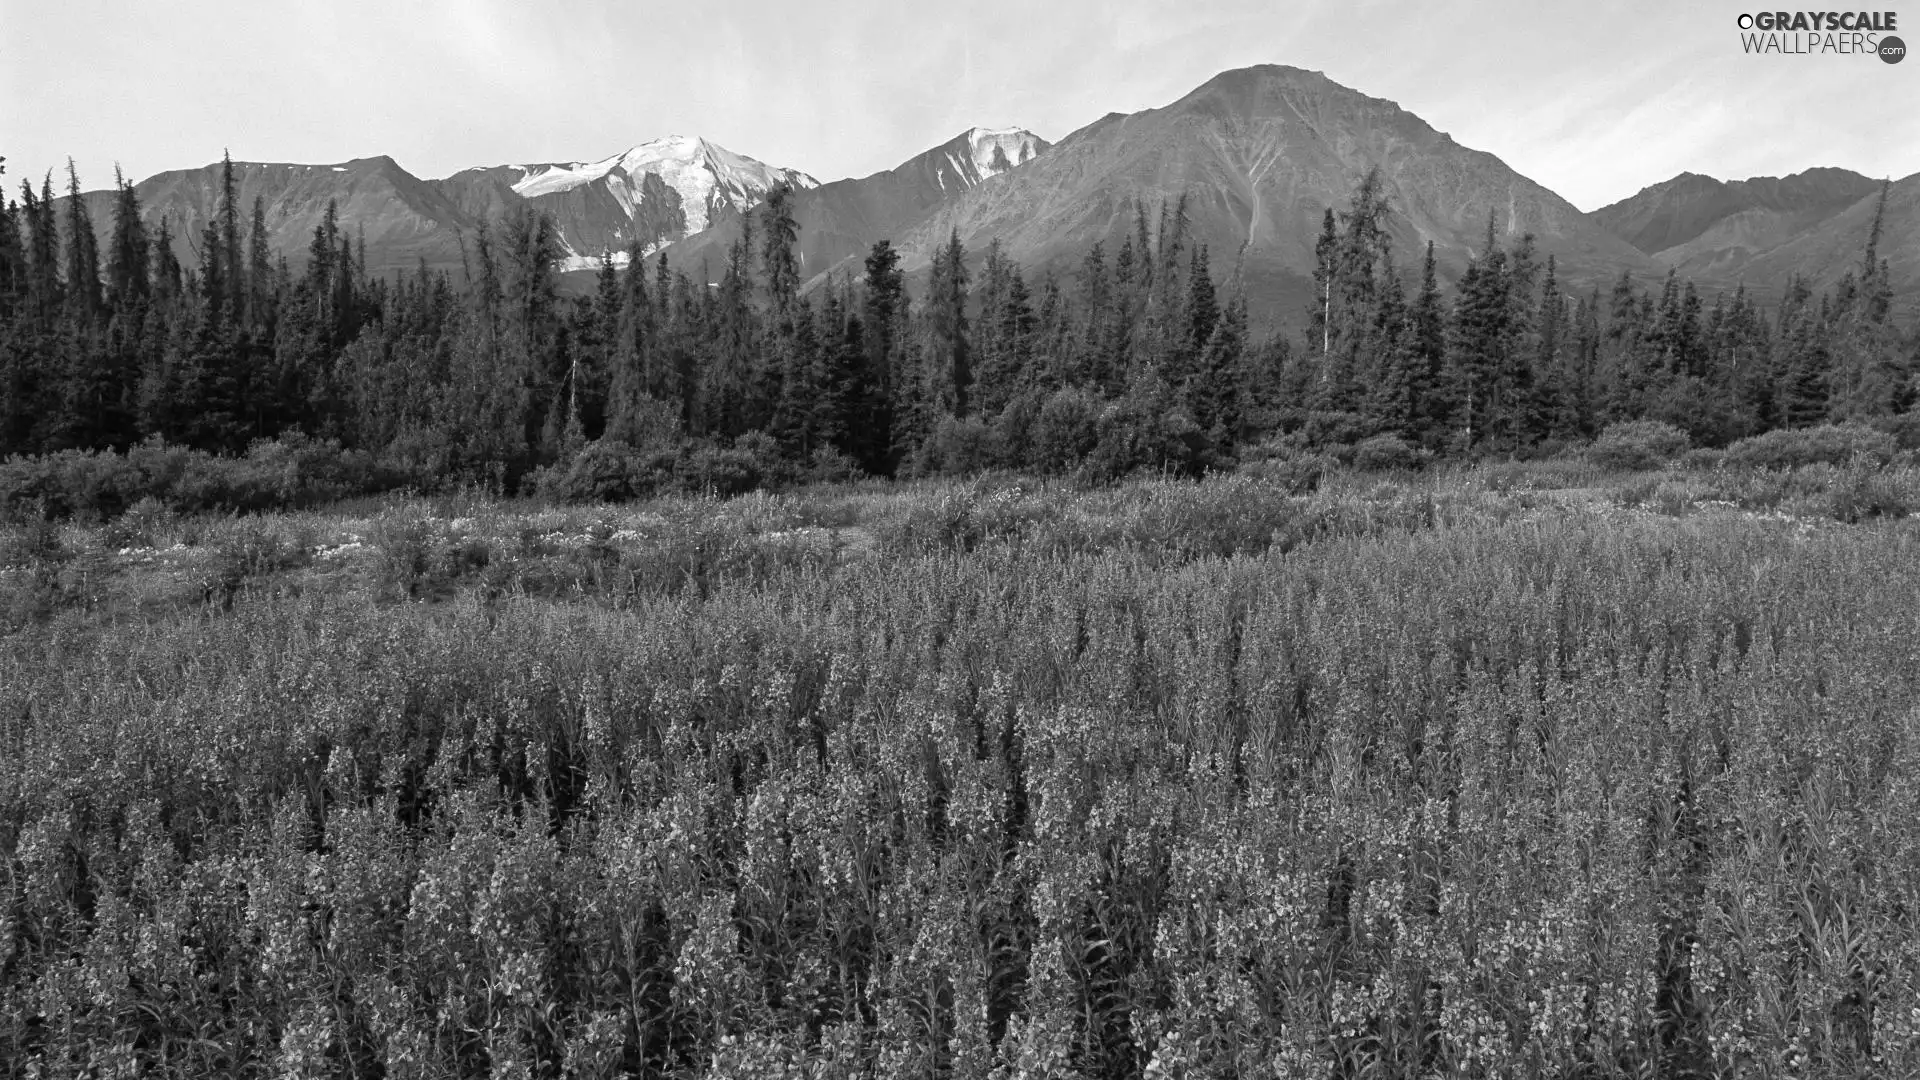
1823 33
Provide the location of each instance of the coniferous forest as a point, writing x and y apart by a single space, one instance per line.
1142 357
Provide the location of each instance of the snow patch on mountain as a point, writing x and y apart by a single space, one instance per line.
703 173
619 259
995 150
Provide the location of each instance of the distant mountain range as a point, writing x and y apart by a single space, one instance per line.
1259 153
1764 230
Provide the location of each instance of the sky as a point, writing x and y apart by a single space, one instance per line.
1594 100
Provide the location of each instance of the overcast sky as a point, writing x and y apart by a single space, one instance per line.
1593 99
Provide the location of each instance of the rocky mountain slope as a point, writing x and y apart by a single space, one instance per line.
654 193
1713 230
1260 154
657 192
402 218
839 222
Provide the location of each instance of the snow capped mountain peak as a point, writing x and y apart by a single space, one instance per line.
705 175
995 150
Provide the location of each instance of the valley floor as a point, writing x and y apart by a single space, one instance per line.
1523 769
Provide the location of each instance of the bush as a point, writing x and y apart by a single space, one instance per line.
1829 444
419 557
289 472
961 446
962 520
1067 429
1141 433
1231 516
88 484
1638 445
709 470
1383 453
604 470
1862 491
829 466
1702 459
1294 471
1334 428
1904 428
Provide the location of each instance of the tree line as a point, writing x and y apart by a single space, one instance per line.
1140 357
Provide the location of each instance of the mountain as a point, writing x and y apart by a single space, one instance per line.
656 192
1823 254
1260 154
1712 230
839 222
402 218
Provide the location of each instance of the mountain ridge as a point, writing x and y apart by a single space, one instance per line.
1261 152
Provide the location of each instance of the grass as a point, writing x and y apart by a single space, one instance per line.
1495 772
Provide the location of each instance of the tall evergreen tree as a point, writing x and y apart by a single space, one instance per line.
83 256
43 292
782 233
259 268
129 281
947 314
232 270
1432 407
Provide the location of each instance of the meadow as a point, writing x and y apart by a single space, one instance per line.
1539 769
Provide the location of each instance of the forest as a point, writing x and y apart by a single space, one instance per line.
1142 358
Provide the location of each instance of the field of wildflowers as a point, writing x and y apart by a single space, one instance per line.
1519 770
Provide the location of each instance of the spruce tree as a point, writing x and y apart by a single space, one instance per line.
84 305
43 293
232 270
259 267
13 259
947 313
129 281
879 383
1202 314
1431 405
783 232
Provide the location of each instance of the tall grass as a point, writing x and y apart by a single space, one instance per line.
972 781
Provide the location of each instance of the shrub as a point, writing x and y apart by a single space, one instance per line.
1637 445
1286 466
1382 453
420 557
604 470
1860 491
1702 459
962 520
961 446
829 466
707 469
1139 432
1067 429
142 526
89 484
288 472
1830 444
1334 428
416 458
1904 428
243 550
1231 516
